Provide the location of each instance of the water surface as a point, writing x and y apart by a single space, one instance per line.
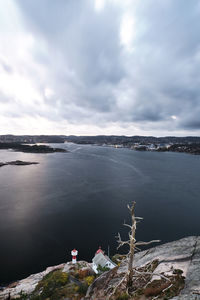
78 199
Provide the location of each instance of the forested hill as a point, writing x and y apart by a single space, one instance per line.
115 139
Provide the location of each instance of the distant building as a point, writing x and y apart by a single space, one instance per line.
152 147
100 259
118 146
140 147
163 145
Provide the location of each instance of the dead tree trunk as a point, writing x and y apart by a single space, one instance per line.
132 245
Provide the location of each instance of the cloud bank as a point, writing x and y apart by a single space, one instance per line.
100 67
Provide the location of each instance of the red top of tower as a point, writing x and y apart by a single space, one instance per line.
74 252
99 250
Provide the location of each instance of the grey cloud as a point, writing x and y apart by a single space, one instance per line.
88 42
87 64
167 65
191 119
83 42
192 124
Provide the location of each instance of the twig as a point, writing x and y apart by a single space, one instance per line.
129 226
147 243
117 286
167 288
153 273
121 243
196 292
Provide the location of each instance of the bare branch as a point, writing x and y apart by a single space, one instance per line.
137 249
167 288
196 292
131 272
139 218
147 243
128 207
129 226
117 286
153 273
120 242
132 207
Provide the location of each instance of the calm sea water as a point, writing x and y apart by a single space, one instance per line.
78 199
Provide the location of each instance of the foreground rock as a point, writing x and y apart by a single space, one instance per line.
26 285
182 255
179 261
61 281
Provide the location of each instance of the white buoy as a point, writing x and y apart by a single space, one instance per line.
74 254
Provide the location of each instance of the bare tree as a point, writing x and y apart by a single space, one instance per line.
132 243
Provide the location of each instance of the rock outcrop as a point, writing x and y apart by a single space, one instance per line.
178 257
26 285
182 255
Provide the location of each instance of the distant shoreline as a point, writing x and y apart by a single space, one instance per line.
176 148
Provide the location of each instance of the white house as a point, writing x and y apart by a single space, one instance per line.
100 259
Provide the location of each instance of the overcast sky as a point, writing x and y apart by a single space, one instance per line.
90 67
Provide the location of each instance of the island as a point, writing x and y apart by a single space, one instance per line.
18 163
30 148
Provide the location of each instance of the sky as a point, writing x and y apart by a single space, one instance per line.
89 67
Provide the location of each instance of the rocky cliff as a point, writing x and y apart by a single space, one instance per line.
179 261
182 255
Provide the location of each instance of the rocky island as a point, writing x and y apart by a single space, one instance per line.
30 148
175 274
18 163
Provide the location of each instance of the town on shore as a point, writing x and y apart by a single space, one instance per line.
189 144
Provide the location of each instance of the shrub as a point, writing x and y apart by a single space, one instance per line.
89 280
101 269
178 272
123 296
23 296
51 282
83 289
83 273
117 258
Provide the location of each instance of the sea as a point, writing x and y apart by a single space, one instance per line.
78 199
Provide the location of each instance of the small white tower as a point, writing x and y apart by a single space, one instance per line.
74 253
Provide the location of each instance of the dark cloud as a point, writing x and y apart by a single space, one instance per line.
167 69
192 124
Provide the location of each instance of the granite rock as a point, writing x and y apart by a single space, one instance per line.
183 254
